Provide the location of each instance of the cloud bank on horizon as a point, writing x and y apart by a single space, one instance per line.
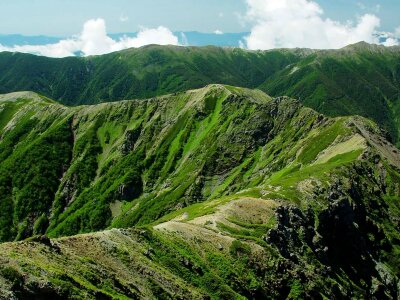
93 40
301 23
274 24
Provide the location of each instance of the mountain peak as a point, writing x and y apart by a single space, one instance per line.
15 96
364 46
26 96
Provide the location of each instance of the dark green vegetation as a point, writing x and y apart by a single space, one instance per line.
360 79
231 194
137 73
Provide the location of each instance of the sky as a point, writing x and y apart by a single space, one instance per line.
270 23
65 17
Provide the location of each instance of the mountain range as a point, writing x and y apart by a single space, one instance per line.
232 174
192 38
360 79
186 38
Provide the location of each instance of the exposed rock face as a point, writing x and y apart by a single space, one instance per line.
69 191
343 237
131 137
294 231
129 192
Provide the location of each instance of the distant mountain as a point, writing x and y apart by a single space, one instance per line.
189 38
233 195
10 40
194 38
138 72
359 79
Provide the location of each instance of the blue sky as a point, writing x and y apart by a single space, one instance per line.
84 26
62 17
65 17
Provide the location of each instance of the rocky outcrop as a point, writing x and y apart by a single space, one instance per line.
131 137
344 236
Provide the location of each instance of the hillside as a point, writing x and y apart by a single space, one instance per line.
359 79
220 192
138 72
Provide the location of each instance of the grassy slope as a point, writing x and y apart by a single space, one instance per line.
150 156
360 79
178 164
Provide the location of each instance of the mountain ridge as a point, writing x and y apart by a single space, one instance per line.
231 169
220 192
360 79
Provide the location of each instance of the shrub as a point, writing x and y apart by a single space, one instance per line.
238 248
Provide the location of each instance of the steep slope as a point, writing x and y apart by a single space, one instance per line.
233 193
138 73
162 152
359 79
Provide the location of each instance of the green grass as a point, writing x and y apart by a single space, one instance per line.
198 209
6 113
204 127
291 175
321 141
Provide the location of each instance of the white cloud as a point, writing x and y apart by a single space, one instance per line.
218 32
390 42
93 40
146 36
61 49
388 38
301 23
